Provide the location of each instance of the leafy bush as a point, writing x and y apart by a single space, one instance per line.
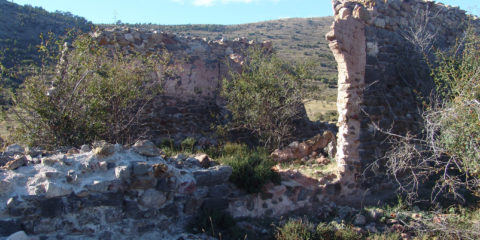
188 143
296 229
265 97
251 168
92 93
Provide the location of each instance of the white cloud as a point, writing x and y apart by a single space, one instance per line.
208 3
205 3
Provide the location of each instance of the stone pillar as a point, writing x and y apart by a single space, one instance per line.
347 42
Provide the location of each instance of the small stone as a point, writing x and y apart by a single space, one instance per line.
122 173
193 162
140 168
376 213
371 228
392 221
5 186
143 182
85 148
103 166
72 176
72 151
159 169
104 186
212 176
152 199
51 175
49 161
54 190
181 157
33 151
14 149
21 235
104 149
16 163
204 160
146 148
129 37
416 216
322 160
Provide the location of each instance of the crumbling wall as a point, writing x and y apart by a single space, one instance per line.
380 48
190 101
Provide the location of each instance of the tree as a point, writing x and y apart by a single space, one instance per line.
265 97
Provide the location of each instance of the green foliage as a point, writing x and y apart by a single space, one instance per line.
458 81
296 229
92 93
325 231
299 229
188 143
444 159
265 97
20 27
251 168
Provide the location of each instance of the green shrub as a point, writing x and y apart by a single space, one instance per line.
325 231
188 144
251 168
265 98
445 155
230 149
296 229
92 93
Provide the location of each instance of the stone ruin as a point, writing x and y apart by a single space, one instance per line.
118 192
190 101
379 47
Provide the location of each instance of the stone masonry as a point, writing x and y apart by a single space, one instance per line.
190 102
378 46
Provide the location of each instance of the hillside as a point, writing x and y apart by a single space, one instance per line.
21 26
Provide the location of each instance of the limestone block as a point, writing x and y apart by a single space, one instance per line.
140 168
19 236
104 149
55 190
16 163
122 173
146 148
14 149
152 199
212 176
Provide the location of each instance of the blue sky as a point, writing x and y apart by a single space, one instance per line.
200 11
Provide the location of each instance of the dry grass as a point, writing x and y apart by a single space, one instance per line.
317 108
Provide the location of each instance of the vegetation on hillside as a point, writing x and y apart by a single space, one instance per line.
20 28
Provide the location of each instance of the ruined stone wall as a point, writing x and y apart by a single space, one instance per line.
108 191
191 97
379 47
